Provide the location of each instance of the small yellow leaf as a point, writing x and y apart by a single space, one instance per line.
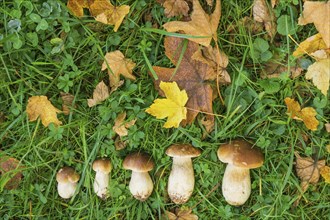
310 45
325 173
172 107
39 106
319 72
77 7
307 115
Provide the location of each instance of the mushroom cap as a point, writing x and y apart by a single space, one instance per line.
67 174
182 150
138 162
241 154
102 165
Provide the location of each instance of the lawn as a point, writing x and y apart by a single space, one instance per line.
46 51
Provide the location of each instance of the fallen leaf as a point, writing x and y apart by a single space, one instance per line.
264 14
175 8
307 115
275 69
10 171
310 45
77 7
274 3
201 24
180 214
118 65
317 13
325 173
328 148
193 76
121 126
172 106
319 72
209 126
40 106
120 144
101 93
327 127
67 104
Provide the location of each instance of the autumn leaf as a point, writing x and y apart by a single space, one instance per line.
201 24
180 214
118 65
121 126
319 72
67 100
77 7
318 13
310 45
172 106
40 106
101 93
175 8
263 13
325 173
307 115
191 75
10 171
327 127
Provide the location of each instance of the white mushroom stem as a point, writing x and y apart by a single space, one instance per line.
236 185
181 180
101 183
66 190
141 185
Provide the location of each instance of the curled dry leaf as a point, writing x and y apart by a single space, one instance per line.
40 106
307 115
172 106
67 104
201 24
325 173
101 93
327 127
117 65
180 214
10 171
310 45
263 13
318 13
175 8
319 72
121 126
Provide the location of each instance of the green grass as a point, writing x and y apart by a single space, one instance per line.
250 112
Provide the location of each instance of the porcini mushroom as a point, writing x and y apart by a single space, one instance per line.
181 180
67 179
241 157
141 185
102 167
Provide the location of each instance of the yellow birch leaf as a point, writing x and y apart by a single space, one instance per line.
319 72
310 45
172 106
325 173
40 106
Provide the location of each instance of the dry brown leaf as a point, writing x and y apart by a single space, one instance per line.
193 76
101 93
113 16
201 24
10 170
264 14
274 70
274 3
180 214
67 104
307 115
121 126
319 72
40 106
175 8
327 127
118 65
120 144
209 126
77 7
325 173
310 45
318 13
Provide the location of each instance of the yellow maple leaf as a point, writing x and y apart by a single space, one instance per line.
201 24
310 45
77 7
172 106
40 106
307 115
319 72
118 65
325 173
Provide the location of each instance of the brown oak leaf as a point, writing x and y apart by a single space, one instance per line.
201 24
175 8
101 93
263 13
191 75
10 171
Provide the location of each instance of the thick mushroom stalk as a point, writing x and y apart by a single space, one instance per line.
181 180
67 179
102 167
140 185
236 182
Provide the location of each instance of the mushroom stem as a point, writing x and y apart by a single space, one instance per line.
66 190
101 183
141 185
181 180
236 185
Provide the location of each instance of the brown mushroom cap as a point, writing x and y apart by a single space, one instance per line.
138 162
182 150
241 154
67 174
102 165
